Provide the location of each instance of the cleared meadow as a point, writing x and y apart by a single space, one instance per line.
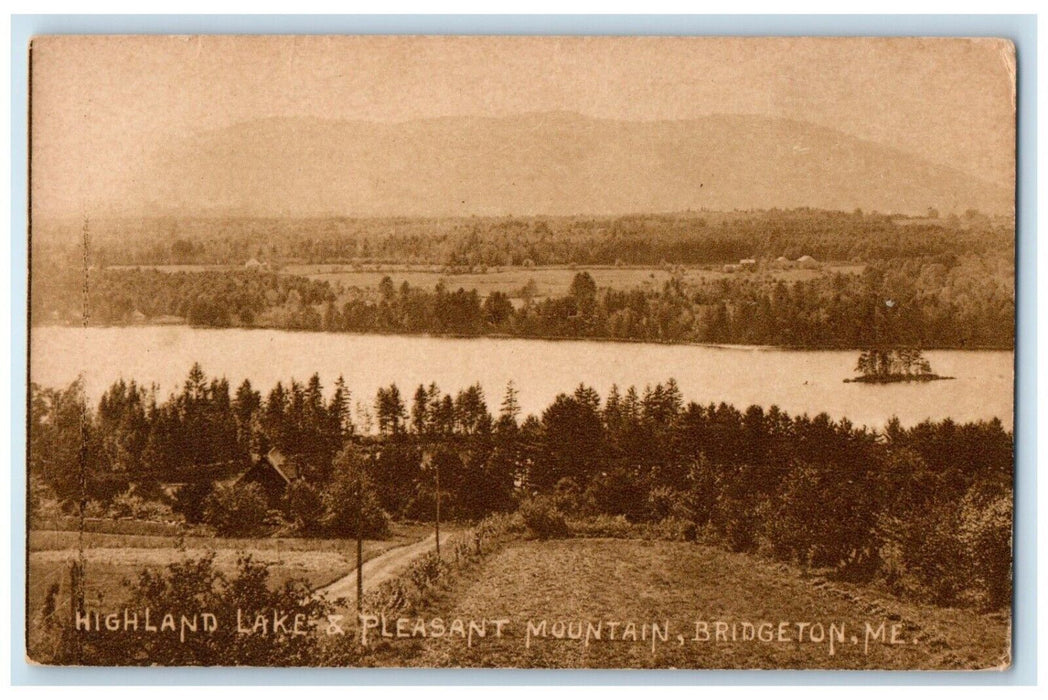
579 581
548 281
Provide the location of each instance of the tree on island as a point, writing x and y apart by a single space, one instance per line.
893 364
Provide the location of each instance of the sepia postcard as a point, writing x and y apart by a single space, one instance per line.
521 352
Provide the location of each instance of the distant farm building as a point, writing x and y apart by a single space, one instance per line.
254 264
744 265
272 472
138 317
808 262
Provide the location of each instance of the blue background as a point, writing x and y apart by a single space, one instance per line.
1021 29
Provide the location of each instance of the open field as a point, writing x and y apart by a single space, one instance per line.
549 281
178 268
112 561
579 581
42 540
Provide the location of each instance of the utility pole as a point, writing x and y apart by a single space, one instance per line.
360 550
360 543
78 586
428 462
436 466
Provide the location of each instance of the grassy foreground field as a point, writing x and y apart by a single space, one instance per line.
113 561
768 615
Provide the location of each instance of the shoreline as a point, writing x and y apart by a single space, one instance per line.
897 379
506 336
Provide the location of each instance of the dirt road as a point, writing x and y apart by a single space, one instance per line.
380 568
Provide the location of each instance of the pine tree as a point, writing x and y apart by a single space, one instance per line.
420 411
339 409
510 405
390 410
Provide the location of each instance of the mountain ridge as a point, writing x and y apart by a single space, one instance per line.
539 163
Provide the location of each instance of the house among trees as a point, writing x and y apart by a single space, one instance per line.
138 317
254 264
272 472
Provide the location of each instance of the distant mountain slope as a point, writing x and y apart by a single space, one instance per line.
543 163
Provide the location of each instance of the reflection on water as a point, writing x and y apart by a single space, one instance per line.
795 380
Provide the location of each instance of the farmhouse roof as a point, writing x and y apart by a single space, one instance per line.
281 465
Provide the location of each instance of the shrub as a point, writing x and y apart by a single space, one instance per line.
390 597
543 519
190 500
193 587
426 570
567 496
737 522
411 591
129 504
986 533
674 529
820 517
617 526
603 525
236 511
43 501
498 525
666 502
304 506
617 491
930 551
92 509
152 490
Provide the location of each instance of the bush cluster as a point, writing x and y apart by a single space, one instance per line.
543 518
238 510
191 587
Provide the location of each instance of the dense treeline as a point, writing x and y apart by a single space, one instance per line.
205 298
687 238
926 509
942 302
967 304
931 282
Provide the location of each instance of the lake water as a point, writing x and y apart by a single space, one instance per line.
798 381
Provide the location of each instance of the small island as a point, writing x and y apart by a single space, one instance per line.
888 365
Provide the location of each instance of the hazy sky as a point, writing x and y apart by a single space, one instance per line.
101 103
